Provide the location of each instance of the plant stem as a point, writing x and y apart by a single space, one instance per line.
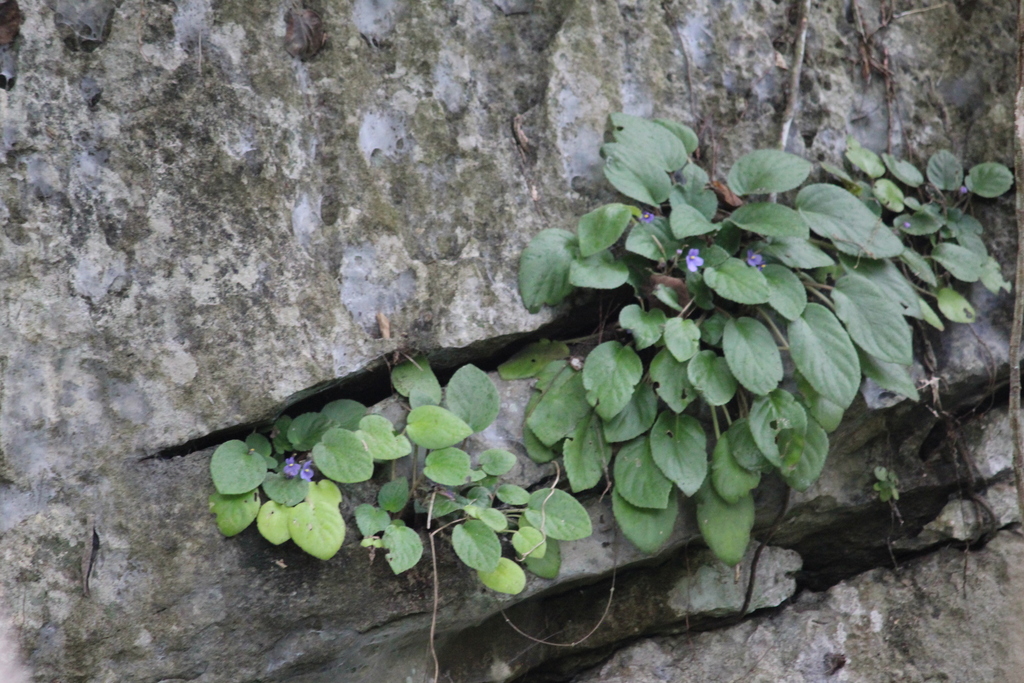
1018 300
714 421
776 330
815 292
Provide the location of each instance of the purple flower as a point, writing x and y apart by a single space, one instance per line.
693 260
755 260
646 216
963 189
906 224
307 471
291 468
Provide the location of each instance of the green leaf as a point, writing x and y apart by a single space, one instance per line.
600 271
529 542
918 266
544 268
636 418
824 355
903 171
930 316
448 466
272 522
825 412
714 256
736 281
873 320
673 384
394 495
702 295
652 240
378 436
344 413
646 528
507 578
434 427
472 396
834 213
305 430
920 223
656 142
945 171
725 527
260 444
730 481
954 306
416 375
512 494
285 490
637 479
371 520
863 158
280 435
785 292
808 468
888 194
963 264
989 180
710 375
635 175
234 512
645 325
891 376
560 409
795 252
602 228
236 468
888 278
316 525
744 450
609 375
687 221
679 449
992 277
343 457
682 338
770 416
405 547
694 192
531 359
495 519
496 462
546 567
477 545
684 133
767 170
752 355
558 515
667 296
837 172
772 220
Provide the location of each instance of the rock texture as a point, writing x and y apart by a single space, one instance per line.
197 231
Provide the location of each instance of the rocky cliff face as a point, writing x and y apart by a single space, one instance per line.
198 230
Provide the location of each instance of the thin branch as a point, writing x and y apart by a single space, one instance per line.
1018 301
433 616
794 73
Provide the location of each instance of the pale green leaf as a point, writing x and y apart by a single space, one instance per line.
234 512
944 171
989 180
684 133
824 355
873 320
416 375
888 194
903 171
786 294
954 306
963 264
673 384
378 435
529 542
730 481
602 228
891 376
472 396
825 412
710 375
316 526
646 528
287 491
512 494
609 375
834 213
531 359
682 338
272 522
863 158
343 457
600 271
772 220
344 413
808 468
477 545
655 140
636 418
558 515
752 354
652 240
646 326
679 449
405 547
637 479
371 520
767 170
725 528
635 175
992 277
918 266
736 281
544 268
236 468
560 409
305 431
394 495
772 415
687 221
795 252
546 567
586 454
447 466
435 427
744 450
507 578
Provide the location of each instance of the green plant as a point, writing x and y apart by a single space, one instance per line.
341 445
721 291
887 485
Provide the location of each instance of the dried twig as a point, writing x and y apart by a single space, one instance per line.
794 73
1018 301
